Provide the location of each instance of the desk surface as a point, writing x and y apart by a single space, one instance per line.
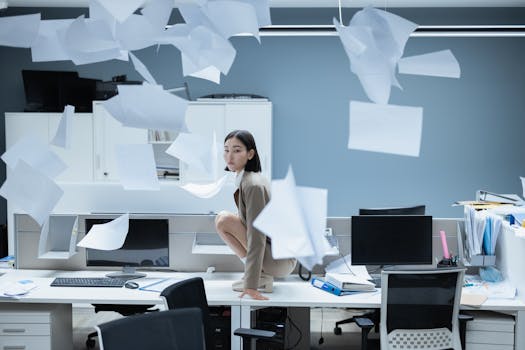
291 292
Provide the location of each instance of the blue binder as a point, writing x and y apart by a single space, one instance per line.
330 288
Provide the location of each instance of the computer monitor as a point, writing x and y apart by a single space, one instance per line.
146 245
415 210
391 240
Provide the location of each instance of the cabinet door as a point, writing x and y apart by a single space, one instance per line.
204 119
18 125
79 158
108 133
256 117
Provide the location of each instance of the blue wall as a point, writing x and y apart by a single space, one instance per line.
473 128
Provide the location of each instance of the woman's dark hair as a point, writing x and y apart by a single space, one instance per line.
247 140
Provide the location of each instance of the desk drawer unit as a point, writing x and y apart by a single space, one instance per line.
490 331
35 327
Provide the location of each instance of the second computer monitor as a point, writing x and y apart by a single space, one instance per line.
391 240
415 210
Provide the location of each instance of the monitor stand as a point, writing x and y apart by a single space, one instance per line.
127 272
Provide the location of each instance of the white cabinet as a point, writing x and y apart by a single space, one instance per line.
107 133
205 117
35 327
79 158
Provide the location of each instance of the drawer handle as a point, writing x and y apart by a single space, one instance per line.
14 347
14 330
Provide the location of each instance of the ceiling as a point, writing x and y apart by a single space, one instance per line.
304 3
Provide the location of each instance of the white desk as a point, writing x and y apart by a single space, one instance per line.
289 293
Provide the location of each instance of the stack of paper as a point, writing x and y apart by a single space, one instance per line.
349 282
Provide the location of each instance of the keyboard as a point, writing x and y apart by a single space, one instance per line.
88 282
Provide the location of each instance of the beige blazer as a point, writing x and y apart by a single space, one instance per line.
252 196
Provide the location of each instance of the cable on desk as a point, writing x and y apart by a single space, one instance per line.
300 273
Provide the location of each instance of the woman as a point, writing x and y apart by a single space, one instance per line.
237 231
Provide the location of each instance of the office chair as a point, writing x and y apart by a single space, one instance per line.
172 329
124 310
419 310
191 293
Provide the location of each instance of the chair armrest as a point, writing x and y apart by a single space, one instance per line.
254 333
364 322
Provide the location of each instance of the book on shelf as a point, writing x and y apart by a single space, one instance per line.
349 282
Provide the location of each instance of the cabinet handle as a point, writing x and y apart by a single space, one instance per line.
14 330
14 347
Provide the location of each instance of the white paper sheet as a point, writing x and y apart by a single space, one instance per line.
149 107
135 33
295 220
522 186
343 265
88 41
206 190
19 31
385 128
158 13
58 237
437 64
36 154
120 9
262 9
232 17
194 150
48 46
136 167
142 69
109 236
28 190
64 131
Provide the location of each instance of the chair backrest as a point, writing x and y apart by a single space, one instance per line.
190 293
173 329
419 309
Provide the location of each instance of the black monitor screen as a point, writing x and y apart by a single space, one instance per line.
391 240
416 210
146 245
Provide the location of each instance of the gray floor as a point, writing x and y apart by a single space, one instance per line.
84 318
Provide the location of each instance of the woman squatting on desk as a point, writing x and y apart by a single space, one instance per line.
237 231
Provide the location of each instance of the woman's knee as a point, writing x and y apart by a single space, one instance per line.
221 220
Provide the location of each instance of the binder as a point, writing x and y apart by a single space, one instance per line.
330 288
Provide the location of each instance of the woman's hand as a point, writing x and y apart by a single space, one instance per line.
254 294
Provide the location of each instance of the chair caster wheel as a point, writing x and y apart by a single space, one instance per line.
338 331
90 343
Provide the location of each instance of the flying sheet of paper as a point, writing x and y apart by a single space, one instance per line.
522 185
36 154
27 189
64 131
295 220
374 41
135 33
210 73
141 68
194 150
58 237
206 190
437 64
136 167
385 128
262 9
109 236
149 107
120 9
282 220
232 17
158 13
48 46
19 31
89 41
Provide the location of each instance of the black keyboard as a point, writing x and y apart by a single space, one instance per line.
88 282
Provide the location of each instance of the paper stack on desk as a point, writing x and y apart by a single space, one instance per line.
349 282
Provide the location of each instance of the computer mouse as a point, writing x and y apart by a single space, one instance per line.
131 285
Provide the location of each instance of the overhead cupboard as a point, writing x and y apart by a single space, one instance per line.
92 153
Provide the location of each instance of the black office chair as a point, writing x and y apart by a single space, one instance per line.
419 310
124 310
165 330
191 293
